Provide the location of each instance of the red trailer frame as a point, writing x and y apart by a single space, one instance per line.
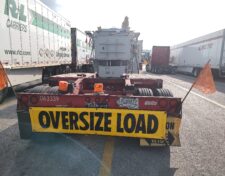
128 107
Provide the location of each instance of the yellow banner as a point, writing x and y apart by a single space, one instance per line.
114 122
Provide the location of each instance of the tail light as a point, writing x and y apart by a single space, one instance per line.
24 99
173 102
163 103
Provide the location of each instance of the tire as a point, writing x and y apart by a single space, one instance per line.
195 72
159 92
146 68
163 92
144 92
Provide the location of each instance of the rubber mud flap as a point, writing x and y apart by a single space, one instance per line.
24 124
1 96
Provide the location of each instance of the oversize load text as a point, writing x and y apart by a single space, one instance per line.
97 121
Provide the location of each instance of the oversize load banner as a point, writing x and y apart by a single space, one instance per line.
114 122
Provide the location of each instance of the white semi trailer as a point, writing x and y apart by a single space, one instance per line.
35 41
116 52
82 50
191 56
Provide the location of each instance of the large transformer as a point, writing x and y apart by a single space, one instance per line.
116 52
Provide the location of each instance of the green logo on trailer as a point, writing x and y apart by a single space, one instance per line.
15 11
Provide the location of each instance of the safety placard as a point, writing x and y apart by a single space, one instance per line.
114 122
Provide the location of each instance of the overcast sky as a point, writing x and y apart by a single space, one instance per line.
160 22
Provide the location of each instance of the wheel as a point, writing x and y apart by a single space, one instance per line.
163 92
160 71
153 70
195 72
147 68
144 92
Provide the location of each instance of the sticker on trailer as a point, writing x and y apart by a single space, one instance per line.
131 103
114 122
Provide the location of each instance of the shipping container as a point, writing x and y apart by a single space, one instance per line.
191 56
159 61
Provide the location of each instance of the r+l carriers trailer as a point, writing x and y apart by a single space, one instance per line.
86 104
190 57
35 41
37 44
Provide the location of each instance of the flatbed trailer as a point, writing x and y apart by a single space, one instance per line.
125 107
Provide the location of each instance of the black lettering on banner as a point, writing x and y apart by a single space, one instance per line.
44 119
65 120
92 125
127 118
152 124
99 121
119 128
82 118
107 121
141 124
55 120
170 125
73 120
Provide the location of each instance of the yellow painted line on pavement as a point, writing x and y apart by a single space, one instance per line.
192 92
106 165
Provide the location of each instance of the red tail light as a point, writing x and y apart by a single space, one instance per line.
24 99
173 102
163 103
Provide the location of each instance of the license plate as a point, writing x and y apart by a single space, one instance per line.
113 122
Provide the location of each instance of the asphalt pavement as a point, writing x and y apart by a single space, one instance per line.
202 150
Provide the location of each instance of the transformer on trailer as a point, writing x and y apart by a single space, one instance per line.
86 104
116 52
